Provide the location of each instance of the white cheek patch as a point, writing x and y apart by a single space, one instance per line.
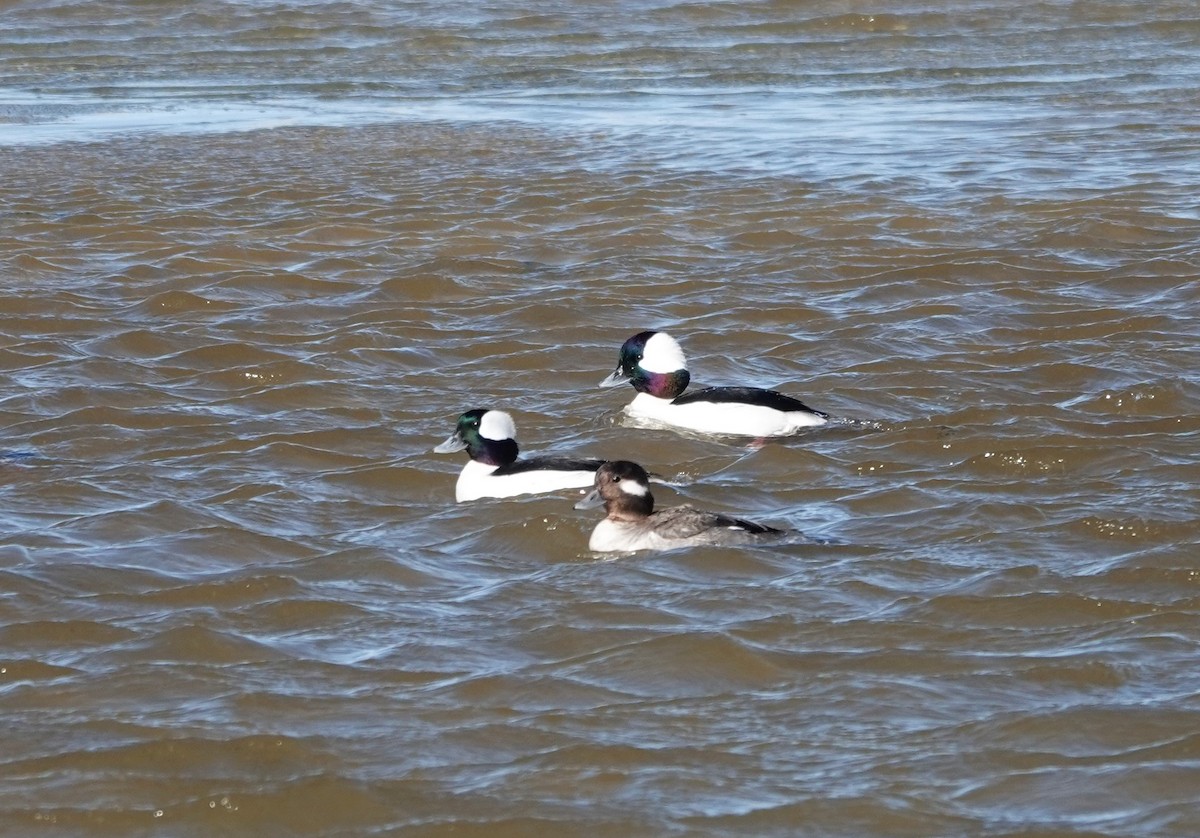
662 354
632 487
497 425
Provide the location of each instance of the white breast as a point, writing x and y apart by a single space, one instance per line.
475 481
618 537
721 417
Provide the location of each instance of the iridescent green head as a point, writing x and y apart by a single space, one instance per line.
653 363
488 435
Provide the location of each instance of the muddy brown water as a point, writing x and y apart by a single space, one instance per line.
256 258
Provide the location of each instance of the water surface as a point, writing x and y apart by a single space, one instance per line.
258 257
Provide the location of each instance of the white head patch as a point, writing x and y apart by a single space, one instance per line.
631 487
662 354
497 425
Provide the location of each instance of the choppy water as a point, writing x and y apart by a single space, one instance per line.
258 256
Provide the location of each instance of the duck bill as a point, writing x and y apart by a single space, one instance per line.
615 378
454 443
591 500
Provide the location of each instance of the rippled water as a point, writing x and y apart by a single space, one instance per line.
258 257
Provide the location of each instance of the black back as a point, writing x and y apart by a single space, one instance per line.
746 395
548 464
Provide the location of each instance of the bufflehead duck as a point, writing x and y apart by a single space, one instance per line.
494 470
632 524
653 363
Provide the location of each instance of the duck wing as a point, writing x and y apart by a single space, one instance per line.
756 396
549 464
687 521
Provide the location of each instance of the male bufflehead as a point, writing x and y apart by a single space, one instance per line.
654 364
494 470
632 524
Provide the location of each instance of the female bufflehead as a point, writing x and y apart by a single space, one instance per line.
654 364
494 470
632 524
